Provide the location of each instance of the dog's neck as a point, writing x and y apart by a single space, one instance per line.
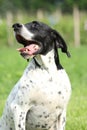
46 61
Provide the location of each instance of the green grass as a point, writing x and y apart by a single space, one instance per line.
12 67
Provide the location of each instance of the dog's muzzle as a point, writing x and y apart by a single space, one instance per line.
17 26
31 47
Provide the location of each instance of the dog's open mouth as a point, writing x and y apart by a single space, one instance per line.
30 48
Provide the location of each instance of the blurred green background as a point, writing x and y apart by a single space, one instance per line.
69 18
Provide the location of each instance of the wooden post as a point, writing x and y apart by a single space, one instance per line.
9 19
40 14
76 16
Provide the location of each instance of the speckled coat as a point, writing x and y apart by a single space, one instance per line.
39 99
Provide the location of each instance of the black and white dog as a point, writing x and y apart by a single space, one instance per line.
39 100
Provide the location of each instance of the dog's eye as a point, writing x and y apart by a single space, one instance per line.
35 25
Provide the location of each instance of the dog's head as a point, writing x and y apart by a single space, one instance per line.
38 38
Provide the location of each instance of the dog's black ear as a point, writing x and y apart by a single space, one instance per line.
60 43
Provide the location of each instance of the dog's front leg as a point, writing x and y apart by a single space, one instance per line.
19 116
61 120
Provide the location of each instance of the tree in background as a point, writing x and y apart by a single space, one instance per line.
69 4
33 5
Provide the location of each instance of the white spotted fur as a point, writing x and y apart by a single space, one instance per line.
39 99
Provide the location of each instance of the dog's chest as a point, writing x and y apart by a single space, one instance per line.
44 94
47 95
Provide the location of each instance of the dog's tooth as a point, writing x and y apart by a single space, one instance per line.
21 49
36 47
26 49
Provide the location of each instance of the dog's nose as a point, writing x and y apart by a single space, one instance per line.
16 26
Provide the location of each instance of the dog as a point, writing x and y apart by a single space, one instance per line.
39 99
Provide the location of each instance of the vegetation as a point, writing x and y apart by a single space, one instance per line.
12 66
71 3
33 5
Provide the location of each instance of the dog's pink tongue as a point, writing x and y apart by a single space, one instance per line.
30 49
